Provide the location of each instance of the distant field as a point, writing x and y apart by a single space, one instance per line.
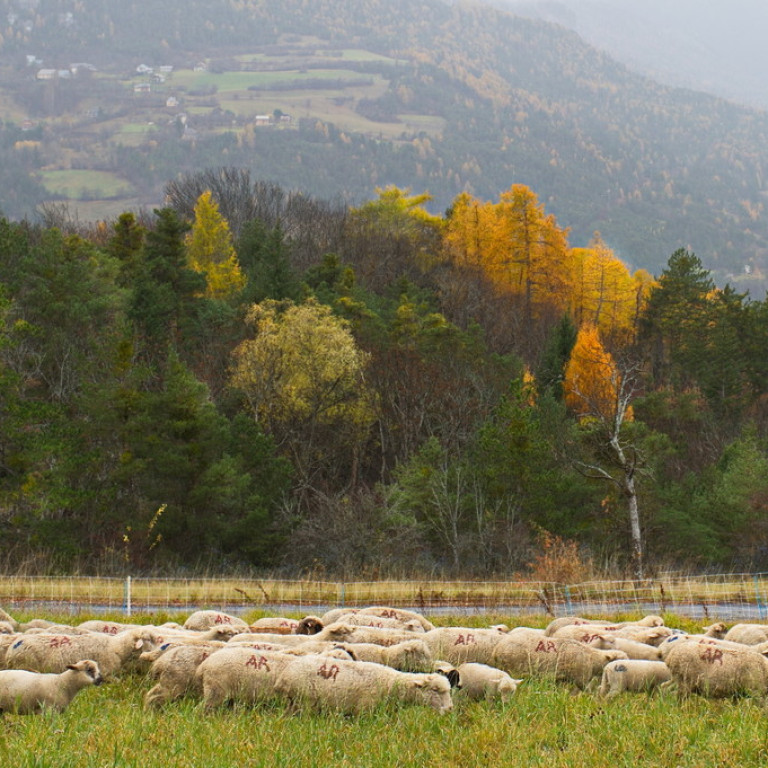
81 184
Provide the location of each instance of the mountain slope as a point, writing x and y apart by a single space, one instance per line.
518 100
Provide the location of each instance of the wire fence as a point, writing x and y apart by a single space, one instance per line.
716 597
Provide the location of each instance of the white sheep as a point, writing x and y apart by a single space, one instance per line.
461 644
6 641
7 617
635 675
480 681
671 642
407 656
346 633
646 621
747 634
715 670
387 612
246 675
199 621
357 686
362 619
566 660
53 653
6 628
286 641
175 669
23 692
275 624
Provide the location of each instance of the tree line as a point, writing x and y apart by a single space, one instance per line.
250 378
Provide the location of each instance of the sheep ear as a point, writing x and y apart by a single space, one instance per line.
517 682
454 678
72 666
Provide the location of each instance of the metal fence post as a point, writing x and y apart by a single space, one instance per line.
127 595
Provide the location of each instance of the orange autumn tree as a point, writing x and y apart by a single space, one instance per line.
601 391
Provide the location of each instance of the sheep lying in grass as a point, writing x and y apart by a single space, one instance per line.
569 661
346 633
407 656
635 675
480 681
398 614
7 617
246 675
199 621
747 634
23 692
380 622
646 621
53 653
357 686
717 670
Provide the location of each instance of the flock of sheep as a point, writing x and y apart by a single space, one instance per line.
352 659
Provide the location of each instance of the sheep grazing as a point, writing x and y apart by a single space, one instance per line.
53 653
246 675
480 681
716 670
407 656
175 670
356 686
23 692
380 622
569 661
635 675
200 621
309 625
461 644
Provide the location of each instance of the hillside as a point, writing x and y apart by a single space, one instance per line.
337 98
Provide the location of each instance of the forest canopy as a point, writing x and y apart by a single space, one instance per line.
250 378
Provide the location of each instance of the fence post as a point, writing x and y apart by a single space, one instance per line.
342 594
760 605
127 595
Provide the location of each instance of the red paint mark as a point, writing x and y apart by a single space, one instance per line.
258 662
469 639
222 619
328 673
57 642
712 656
546 646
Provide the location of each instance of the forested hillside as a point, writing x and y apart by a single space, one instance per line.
254 378
335 99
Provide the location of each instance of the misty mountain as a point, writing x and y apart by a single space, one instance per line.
460 97
718 47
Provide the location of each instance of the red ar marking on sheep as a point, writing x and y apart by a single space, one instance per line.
222 619
257 662
328 673
389 614
468 640
713 656
109 630
590 638
546 646
57 642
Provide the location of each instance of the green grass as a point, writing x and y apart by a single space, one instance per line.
544 725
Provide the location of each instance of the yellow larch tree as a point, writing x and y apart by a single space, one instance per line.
211 252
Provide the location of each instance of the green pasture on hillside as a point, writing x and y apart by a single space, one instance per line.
80 184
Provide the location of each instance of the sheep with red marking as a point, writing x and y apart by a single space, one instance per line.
646 621
716 670
357 686
398 614
53 653
23 692
347 633
569 661
247 675
407 656
200 621
461 644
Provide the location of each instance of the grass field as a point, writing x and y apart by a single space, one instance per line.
544 725
79 184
